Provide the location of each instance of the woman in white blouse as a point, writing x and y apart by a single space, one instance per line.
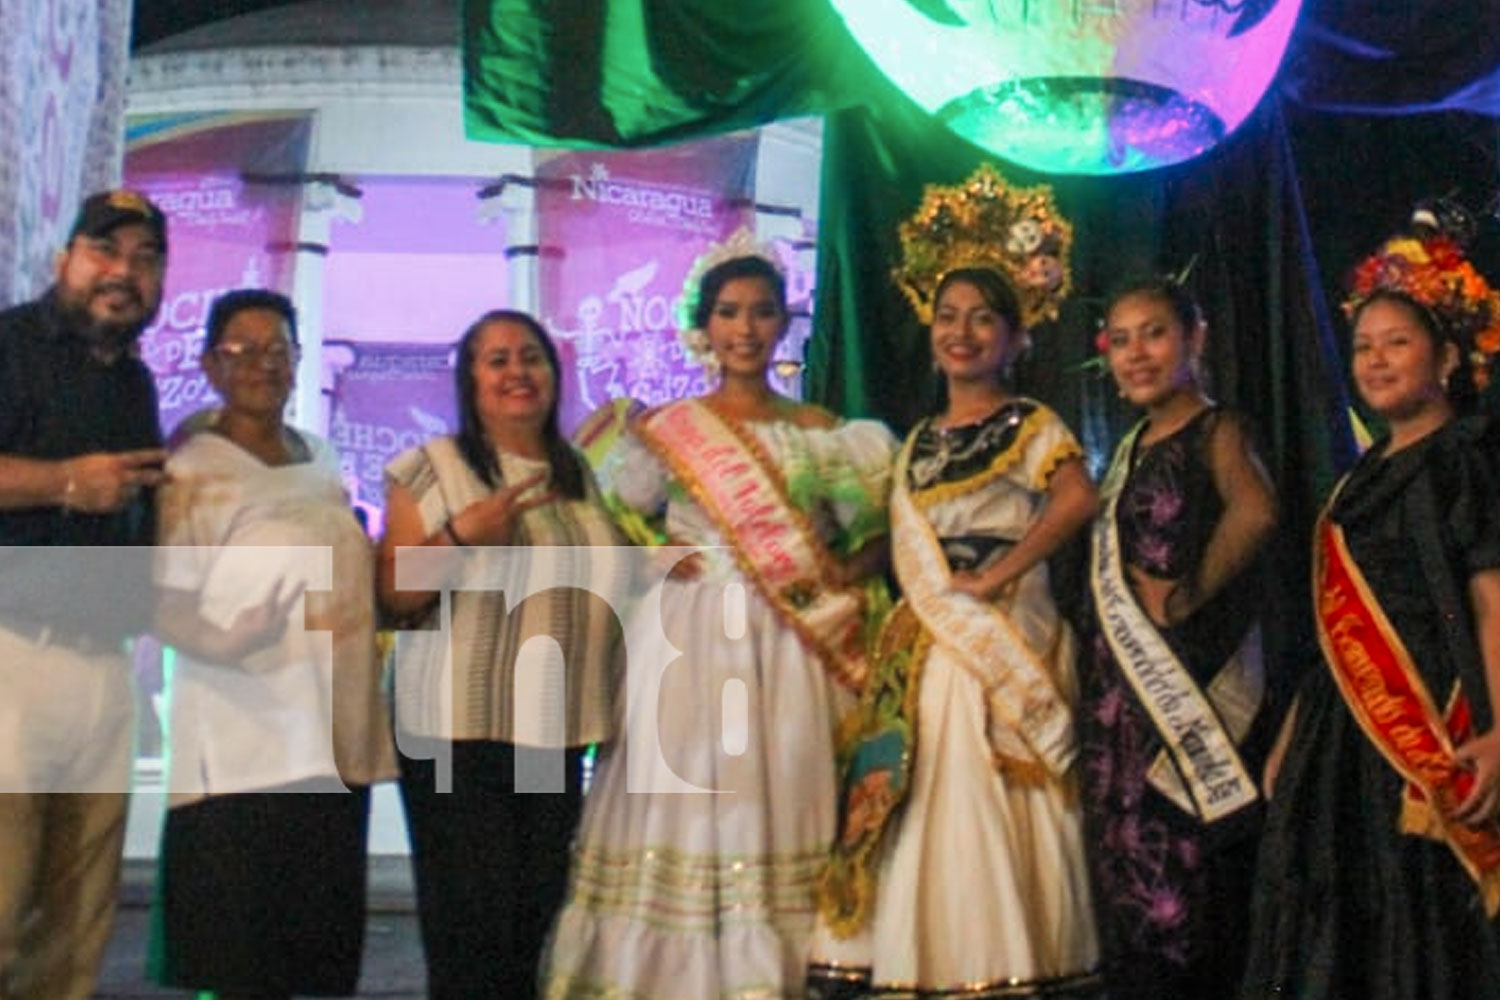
490 860
276 724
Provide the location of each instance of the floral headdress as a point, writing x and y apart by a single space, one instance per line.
1429 265
985 222
741 243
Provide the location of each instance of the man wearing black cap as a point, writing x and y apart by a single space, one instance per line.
80 450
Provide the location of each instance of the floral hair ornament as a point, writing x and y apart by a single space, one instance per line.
987 222
1429 265
741 243
1101 336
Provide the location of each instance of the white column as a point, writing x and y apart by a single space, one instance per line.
518 202
322 203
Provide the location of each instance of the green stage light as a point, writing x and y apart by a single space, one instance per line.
1080 86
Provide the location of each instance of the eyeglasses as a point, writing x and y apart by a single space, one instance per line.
280 355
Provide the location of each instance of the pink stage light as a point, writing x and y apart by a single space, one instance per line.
1080 86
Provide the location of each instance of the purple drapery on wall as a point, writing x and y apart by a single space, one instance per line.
1379 57
62 109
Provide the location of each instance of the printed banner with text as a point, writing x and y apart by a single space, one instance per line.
387 398
225 231
619 232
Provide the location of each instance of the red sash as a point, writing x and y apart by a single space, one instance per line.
1383 689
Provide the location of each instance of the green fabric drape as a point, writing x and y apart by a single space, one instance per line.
642 72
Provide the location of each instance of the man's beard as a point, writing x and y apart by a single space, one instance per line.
106 337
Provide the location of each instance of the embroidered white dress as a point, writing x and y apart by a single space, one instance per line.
981 885
706 893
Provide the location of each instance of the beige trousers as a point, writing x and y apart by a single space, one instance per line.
66 731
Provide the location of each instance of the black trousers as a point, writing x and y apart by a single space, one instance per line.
491 862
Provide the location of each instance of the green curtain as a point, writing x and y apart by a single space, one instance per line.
642 72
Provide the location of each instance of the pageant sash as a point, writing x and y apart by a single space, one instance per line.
1385 692
876 744
1200 769
1031 724
722 466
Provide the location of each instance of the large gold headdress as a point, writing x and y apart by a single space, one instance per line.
985 222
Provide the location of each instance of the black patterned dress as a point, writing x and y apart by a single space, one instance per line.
1171 893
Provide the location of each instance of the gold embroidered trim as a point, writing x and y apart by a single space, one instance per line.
1064 451
828 970
847 667
995 989
681 891
1002 463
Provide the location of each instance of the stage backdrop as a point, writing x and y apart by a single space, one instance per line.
657 70
617 234
226 229
386 398
62 107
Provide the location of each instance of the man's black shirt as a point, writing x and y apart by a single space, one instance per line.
59 401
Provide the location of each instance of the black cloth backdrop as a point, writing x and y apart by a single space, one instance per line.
1234 215
1377 105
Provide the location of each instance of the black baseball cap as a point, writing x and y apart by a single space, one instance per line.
103 212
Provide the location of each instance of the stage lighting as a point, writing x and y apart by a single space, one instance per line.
1080 86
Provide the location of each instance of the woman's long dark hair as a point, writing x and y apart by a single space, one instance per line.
477 449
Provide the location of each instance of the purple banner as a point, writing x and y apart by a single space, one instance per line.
629 226
223 233
62 103
386 398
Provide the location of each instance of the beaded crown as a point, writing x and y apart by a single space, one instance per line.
985 221
741 243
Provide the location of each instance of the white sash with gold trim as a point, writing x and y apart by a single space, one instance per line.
1031 725
723 467
1199 770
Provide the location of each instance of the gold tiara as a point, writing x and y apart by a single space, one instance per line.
741 243
986 222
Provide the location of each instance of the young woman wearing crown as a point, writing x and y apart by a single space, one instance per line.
695 865
975 886
1379 874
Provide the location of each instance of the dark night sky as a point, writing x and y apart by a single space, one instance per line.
157 19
